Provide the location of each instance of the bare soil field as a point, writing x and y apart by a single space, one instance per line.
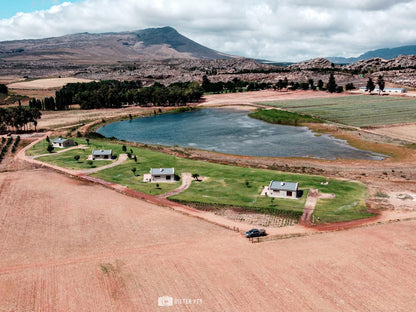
47 83
247 98
74 246
69 245
404 132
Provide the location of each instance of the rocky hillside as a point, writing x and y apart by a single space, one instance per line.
147 44
400 62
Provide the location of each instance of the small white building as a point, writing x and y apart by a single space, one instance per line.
162 175
283 189
385 90
102 154
62 142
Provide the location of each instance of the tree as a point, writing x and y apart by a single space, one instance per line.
77 157
133 170
349 86
331 85
50 148
195 176
320 84
381 84
370 85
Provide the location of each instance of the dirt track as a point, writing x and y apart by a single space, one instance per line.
108 252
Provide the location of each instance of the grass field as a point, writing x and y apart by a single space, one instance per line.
227 185
357 110
275 116
224 185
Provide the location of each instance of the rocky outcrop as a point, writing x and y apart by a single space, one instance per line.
317 63
379 64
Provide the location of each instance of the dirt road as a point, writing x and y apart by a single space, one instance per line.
73 246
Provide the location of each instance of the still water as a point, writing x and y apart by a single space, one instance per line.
233 132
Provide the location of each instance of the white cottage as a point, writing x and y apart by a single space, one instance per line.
102 154
62 142
283 189
162 175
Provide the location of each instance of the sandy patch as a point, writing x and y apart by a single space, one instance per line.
402 132
47 83
250 98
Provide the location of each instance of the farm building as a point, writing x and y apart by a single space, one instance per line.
102 154
283 189
162 175
386 90
62 142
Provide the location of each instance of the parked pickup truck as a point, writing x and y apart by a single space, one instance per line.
255 233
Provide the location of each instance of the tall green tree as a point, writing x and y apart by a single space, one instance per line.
381 83
331 85
370 85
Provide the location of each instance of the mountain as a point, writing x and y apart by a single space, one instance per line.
387 54
148 44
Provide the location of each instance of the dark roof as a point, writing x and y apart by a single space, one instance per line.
283 186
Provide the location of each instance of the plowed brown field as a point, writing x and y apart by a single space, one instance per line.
66 245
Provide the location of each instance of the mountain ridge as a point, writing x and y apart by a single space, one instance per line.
150 43
383 53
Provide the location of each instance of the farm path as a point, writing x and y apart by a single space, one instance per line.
61 151
186 183
31 159
121 158
310 204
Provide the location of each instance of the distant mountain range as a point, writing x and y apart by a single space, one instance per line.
386 54
152 43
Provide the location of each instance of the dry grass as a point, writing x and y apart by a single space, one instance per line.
48 83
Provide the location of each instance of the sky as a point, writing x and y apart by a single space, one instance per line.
277 30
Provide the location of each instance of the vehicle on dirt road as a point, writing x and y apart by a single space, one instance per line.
255 233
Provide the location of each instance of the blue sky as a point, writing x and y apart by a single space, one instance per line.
277 30
10 8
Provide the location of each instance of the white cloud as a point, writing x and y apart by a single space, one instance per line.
277 30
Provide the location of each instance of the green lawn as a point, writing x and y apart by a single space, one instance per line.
357 110
275 116
224 185
66 159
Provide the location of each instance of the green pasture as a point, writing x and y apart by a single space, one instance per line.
355 110
282 117
239 186
224 184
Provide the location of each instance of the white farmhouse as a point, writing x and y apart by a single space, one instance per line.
283 189
102 154
62 142
162 175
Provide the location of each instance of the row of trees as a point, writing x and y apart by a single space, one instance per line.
371 86
47 103
18 118
113 94
234 85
